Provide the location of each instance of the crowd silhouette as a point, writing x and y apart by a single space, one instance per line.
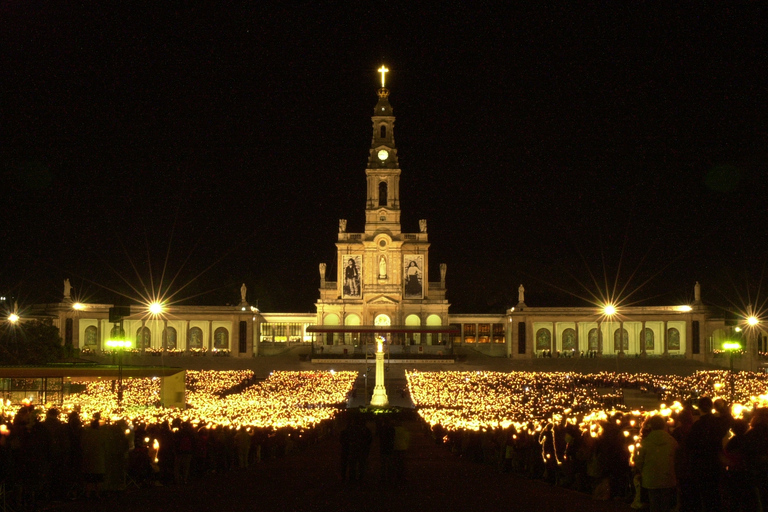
44 459
698 459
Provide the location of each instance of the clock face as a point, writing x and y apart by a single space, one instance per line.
383 154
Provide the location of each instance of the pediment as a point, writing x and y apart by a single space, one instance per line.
382 299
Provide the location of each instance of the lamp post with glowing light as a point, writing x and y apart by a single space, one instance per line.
119 345
731 347
609 311
379 398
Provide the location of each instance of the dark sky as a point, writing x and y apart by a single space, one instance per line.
581 151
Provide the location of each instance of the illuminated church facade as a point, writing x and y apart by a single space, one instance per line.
381 289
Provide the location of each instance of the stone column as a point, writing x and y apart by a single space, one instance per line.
234 338
186 335
76 332
209 353
664 339
643 352
621 338
141 338
599 338
165 336
554 336
257 335
100 334
510 335
689 337
578 346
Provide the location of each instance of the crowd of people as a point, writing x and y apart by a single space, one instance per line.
43 458
698 455
698 459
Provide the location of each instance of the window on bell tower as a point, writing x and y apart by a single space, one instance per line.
383 131
383 193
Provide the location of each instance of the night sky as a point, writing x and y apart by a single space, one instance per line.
614 149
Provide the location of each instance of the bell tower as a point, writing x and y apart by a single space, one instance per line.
381 274
382 207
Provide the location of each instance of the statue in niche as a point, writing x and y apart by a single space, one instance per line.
520 294
382 267
67 289
423 225
342 225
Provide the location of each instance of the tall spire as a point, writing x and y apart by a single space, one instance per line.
383 170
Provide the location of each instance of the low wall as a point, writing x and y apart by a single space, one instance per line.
486 349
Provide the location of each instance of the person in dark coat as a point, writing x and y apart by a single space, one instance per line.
704 449
756 454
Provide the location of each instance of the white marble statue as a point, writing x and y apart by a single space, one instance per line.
423 225
67 289
520 294
342 225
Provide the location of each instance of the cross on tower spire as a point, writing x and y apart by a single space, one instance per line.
383 70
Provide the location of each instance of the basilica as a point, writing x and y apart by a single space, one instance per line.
381 290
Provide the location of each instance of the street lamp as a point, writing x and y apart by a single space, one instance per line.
13 318
156 308
119 345
609 311
731 347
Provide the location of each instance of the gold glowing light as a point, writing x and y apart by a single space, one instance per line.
731 345
383 70
13 318
119 343
156 308
78 306
753 321
609 310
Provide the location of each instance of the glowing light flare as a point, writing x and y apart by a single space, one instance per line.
731 345
119 344
156 308
13 318
752 321
609 310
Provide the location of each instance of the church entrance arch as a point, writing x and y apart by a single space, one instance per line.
413 338
331 338
383 320
433 321
351 337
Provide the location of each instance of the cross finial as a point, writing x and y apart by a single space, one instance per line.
383 70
